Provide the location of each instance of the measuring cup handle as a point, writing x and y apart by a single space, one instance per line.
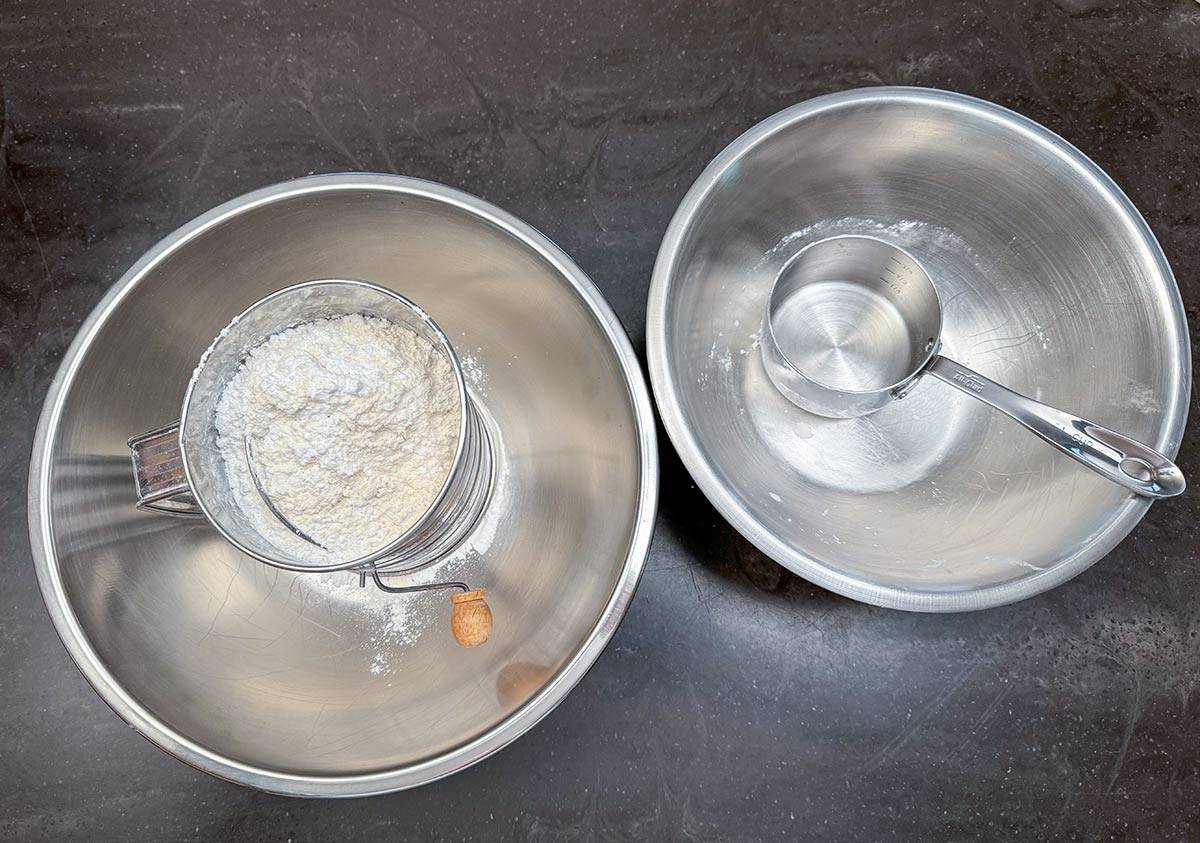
162 485
1125 461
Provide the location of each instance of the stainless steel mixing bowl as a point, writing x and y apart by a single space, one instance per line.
257 674
1051 284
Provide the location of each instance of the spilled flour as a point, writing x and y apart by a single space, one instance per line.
394 622
908 233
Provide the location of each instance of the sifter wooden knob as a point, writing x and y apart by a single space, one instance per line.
470 618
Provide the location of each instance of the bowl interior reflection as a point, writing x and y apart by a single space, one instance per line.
1051 284
268 669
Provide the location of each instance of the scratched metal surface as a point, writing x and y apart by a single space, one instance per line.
736 701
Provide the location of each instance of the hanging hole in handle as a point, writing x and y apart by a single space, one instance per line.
1138 469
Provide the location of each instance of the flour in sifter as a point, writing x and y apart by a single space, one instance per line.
354 425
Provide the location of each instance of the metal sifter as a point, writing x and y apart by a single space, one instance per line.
179 471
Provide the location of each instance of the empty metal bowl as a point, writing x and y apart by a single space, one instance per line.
1050 282
268 677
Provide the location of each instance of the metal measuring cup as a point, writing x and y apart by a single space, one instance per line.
179 469
853 322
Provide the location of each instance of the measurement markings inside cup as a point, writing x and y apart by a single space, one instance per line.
891 276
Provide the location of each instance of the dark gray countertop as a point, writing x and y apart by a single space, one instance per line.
736 701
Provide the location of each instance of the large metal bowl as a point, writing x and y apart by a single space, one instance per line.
1052 284
259 675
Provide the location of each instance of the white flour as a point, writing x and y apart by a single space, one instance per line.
392 621
396 621
354 424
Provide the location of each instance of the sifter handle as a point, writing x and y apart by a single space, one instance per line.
162 485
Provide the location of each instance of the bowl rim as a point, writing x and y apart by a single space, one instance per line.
663 381
463 755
